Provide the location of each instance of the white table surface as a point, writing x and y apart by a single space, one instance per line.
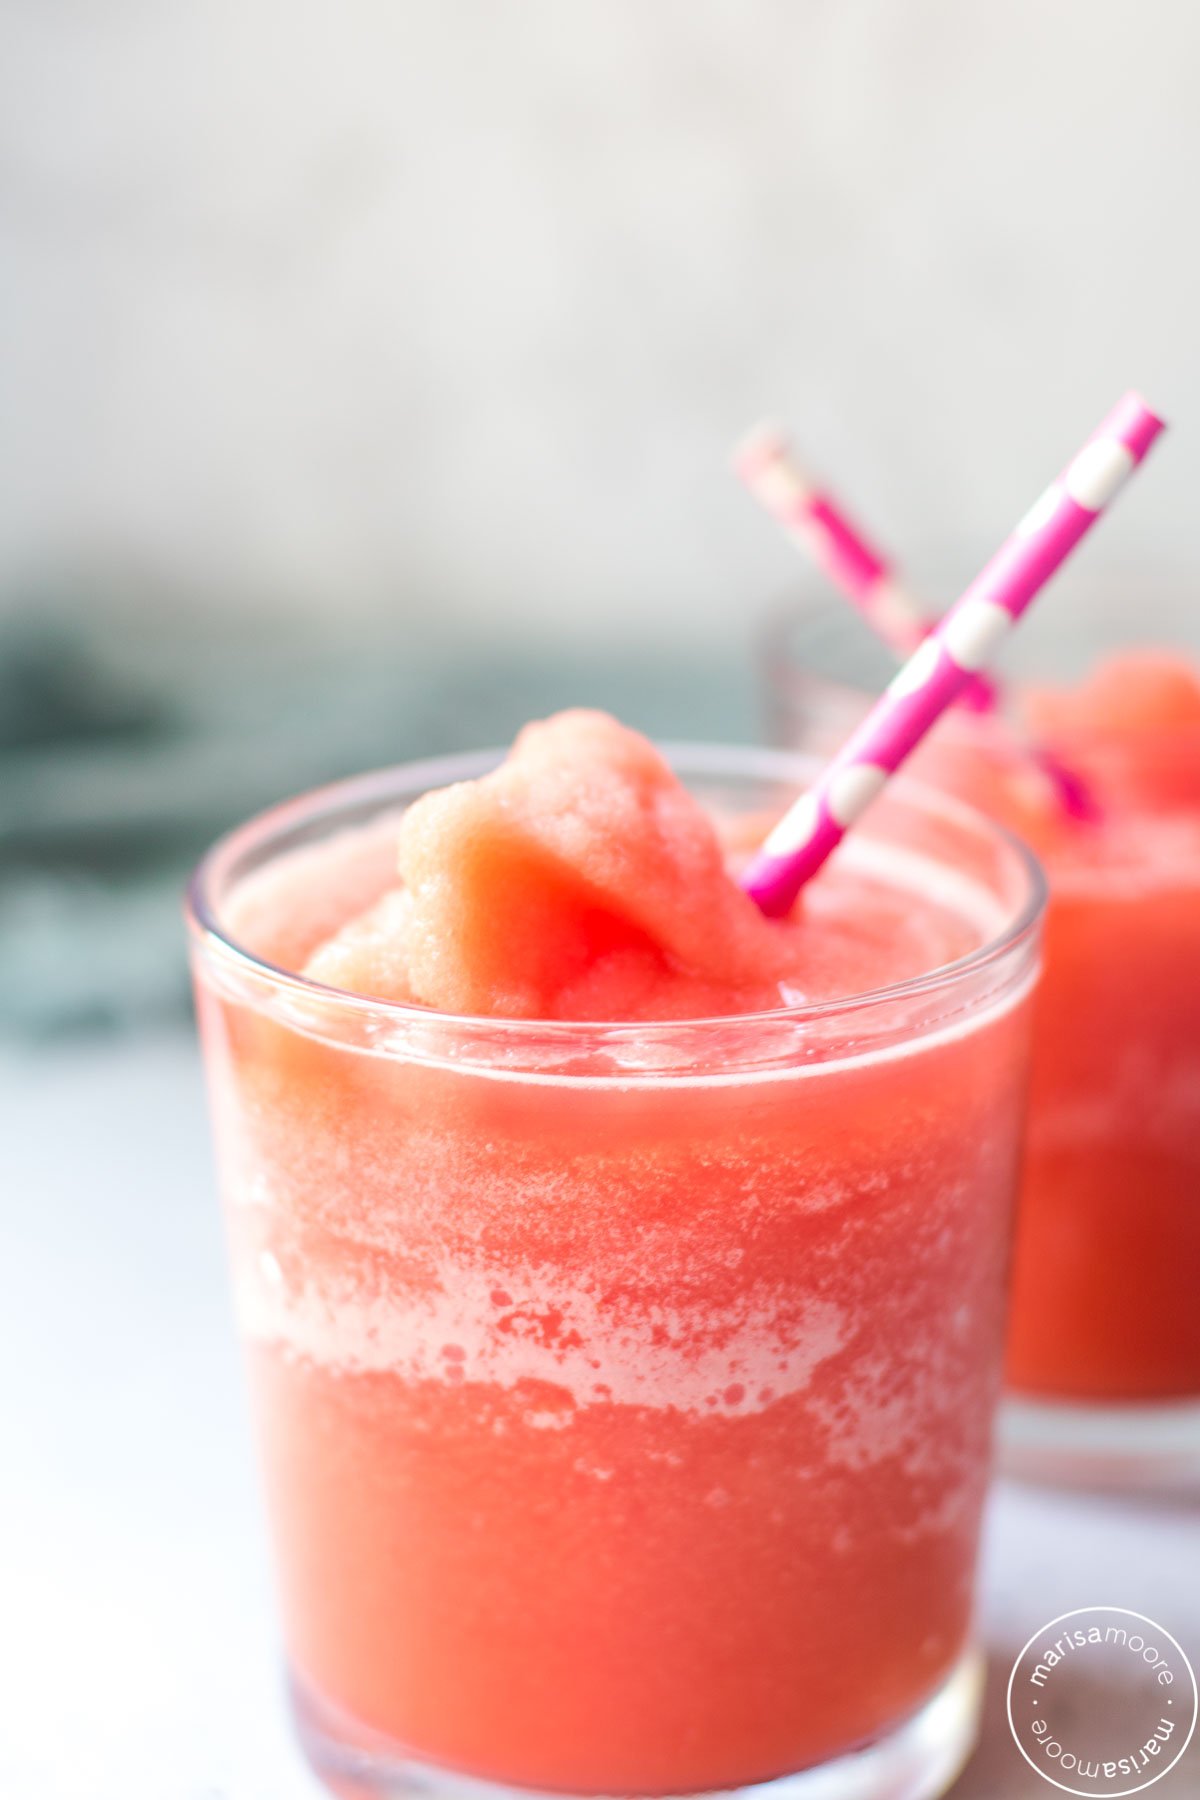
138 1657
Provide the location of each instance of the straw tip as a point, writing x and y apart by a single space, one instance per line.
1136 423
762 445
1135 398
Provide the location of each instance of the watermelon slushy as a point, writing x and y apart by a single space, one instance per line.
1104 1309
623 1273
1104 1300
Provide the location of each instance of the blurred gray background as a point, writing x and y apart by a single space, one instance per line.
370 369
404 306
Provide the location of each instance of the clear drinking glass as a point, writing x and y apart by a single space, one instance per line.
625 1391
1104 1349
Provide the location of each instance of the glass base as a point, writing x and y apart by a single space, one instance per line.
917 1761
1154 1447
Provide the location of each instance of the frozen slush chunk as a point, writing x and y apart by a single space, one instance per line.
284 911
1132 691
370 954
580 870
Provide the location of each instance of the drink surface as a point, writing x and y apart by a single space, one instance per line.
1109 1236
581 881
622 1432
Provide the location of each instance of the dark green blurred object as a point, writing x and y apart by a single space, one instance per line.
131 737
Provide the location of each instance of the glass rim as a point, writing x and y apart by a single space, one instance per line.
209 934
811 610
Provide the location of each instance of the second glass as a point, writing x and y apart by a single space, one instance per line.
1104 1348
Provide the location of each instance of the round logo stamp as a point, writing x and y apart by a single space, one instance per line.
1102 1701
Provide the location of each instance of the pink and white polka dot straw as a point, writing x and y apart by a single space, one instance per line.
950 656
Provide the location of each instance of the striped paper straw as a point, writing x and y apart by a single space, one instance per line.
825 530
958 647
